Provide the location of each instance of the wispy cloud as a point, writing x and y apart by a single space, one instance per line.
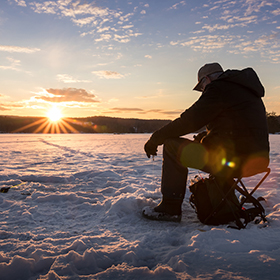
207 43
276 12
108 74
122 110
266 45
215 27
13 64
254 6
66 95
3 108
177 5
17 49
67 79
102 23
218 28
8 106
126 110
21 3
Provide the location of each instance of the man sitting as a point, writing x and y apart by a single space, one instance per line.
235 143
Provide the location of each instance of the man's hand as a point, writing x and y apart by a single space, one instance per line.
150 148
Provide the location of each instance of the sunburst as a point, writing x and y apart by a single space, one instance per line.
53 123
54 114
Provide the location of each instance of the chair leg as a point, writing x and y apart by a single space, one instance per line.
247 194
261 181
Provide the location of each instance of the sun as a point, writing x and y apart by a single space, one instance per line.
53 122
54 114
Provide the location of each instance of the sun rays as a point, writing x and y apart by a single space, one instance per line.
46 125
54 122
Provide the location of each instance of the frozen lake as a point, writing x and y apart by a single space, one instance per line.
74 212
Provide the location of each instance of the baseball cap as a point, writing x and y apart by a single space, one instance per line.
206 70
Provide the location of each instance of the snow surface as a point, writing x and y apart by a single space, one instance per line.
75 213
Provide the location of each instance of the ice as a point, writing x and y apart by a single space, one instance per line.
73 211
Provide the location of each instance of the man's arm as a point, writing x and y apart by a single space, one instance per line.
203 111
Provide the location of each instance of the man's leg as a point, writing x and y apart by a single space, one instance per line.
178 155
174 174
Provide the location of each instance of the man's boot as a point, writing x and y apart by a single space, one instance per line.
169 209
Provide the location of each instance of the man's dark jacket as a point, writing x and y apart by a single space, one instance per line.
232 110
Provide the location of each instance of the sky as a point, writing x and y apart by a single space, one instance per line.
130 59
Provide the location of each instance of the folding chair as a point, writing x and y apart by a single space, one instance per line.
223 195
247 194
247 197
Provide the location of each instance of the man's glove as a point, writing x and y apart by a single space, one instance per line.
150 148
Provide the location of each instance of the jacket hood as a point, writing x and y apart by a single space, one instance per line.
247 78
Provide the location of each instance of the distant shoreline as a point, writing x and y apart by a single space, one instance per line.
96 124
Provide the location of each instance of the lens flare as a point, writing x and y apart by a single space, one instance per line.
230 164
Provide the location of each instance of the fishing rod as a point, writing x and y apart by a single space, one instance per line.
6 189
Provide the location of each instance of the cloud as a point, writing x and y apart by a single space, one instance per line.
120 110
148 56
266 45
169 113
276 12
126 17
85 21
14 63
267 39
254 6
123 110
172 43
68 79
177 5
48 7
103 37
127 26
21 3
100 22
3 107
121 39
108 74
215 27
224 15
208 43
66 95
7 106
13 49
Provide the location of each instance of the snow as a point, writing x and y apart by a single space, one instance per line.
74 212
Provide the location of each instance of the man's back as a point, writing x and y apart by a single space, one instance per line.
239 113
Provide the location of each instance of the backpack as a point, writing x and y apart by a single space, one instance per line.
217 204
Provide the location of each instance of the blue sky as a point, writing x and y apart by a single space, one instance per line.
129 58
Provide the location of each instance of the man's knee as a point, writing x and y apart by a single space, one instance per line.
174 145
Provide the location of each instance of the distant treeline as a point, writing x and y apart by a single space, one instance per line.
273 122
98 124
